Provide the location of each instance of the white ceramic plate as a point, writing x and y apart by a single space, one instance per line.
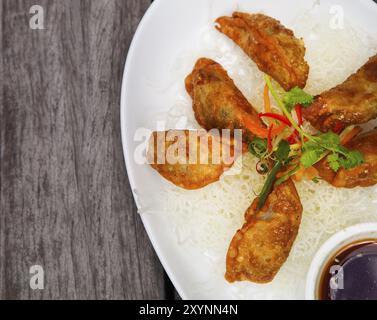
169 30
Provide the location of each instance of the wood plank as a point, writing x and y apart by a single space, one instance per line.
65 199
2 131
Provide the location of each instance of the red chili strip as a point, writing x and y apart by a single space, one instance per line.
276 116
339 126
300 120
298 109
292 139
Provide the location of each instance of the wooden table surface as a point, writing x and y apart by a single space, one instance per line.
65 199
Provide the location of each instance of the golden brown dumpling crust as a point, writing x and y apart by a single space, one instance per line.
217 102
178 146
352 102
260 248
274 48
364 175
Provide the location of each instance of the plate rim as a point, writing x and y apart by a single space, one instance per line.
124 134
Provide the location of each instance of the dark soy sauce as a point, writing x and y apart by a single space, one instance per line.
351 274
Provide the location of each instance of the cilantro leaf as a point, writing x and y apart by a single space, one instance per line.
297 96
340 157
314 149
350 160
316 179
334 163
353 159
311 157
328 140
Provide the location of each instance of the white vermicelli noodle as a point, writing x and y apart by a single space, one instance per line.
208 218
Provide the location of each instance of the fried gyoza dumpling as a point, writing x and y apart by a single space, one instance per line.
274 48
364 175
260 248
191 159
218 103
352 102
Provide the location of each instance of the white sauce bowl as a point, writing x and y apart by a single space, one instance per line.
365 231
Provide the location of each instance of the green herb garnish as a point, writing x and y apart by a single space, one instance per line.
316 179
282 152
258 147
317 147
340 157
282 157
287 176
314 148
297 96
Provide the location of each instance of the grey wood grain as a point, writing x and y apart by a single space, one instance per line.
2 247
64 195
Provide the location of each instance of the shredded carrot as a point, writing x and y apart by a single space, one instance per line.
277 117
255 127
267 102
276 131
299 175
350 135
311 173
